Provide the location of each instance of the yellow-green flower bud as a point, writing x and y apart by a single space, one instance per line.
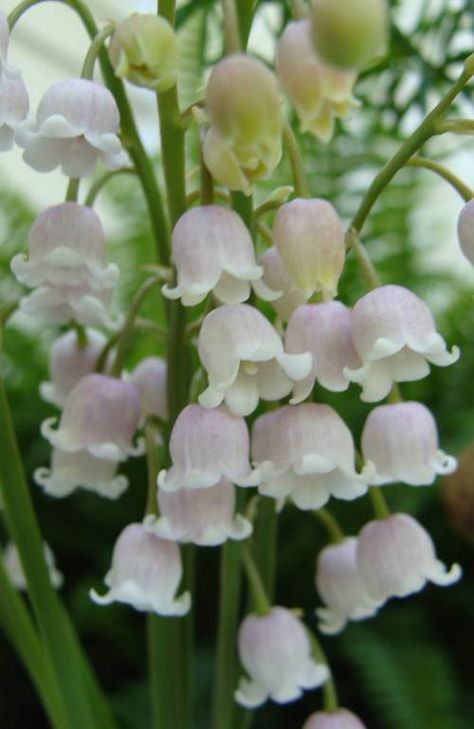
144 51
349 34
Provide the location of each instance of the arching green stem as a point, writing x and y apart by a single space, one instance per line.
98 185
94 50
379 503
296 162
457 184
331 525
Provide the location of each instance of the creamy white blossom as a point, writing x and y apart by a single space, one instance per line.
244 358
306 453
275 651
80 469
277 278
466 230
14 568
150 378
401 440
213 251
76 125
145 573
337 719
206 446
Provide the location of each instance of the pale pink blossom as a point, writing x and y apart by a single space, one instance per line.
63 304
16 574
14 105
466 230
338 719
80 470
150 378
277 278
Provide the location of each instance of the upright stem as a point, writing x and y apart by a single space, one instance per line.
232 37
379 503
72 190
245 11
265 543
259 596
296 162
331 702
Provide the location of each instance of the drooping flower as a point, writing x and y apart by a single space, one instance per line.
338 719
14 568
340 587
309 237
466 230
275 650
401 440
213 251
325 331
144 51
6 70
145 573
76 125
14 105
396 557
206 446
150 377
395 336
69 362
319 93
63 304
201 516
245 360
244 142
80 469
100 415
277 278
306 453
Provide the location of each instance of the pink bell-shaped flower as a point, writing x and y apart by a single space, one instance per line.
319 93
340 587
66 247
401 441
6 70
14 568
396 557
306 452
395 336
76 125
244 358
100 415
275 650
309 237
69 362
325 331
80 469
61 304
201 516
338 719
276 277
14 103
466 231
213 251
206 446
150 377
145 573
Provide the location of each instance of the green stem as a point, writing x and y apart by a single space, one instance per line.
260 599
299 9
411 145
265 543
379 503
152 466
366 266
331 702
232 37
296 162
334 531
464 191
245 11
100 183
72 190
94 50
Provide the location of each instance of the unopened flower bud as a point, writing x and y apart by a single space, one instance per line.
338 719
309 237
350 35
144 51
150 378
466 230
14 568
275 650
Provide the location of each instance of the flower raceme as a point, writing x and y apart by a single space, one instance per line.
337 719
275 650
213 251
245 360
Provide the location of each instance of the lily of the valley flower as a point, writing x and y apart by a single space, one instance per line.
338 719
275 650
396 557
306 453
14 568
401 440
341 588
150 378
145 573
80 470
245 360
213 251
395 336
277 278
100 415
63 304
206 446
466 230
320 93
201 516
14 101
76 125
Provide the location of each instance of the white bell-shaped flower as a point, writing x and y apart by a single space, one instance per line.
69 362
63 304
6 70
309 236
150 378
275 651
14 568
401 440
325 331
319 93
277 278
201 516
396 557
338 719
14 105
206 446
306 452
80 469
66 247
213 251
145 573
466 230
245 361
395 336
76 125
340 587
100 415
